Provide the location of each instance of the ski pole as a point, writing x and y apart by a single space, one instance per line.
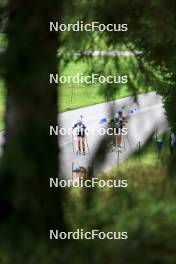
126 138
72 143
118 157
72 169
124 142
87 143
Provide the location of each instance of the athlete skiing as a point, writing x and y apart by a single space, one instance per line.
81 134
172 142
118 122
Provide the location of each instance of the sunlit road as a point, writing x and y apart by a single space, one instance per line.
148 117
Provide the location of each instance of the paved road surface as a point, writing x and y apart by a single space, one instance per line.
149 116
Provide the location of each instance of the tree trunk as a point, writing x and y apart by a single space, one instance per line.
30 155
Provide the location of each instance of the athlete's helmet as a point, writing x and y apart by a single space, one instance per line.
120 111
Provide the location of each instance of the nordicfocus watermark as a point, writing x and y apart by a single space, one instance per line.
101 131
88 183
80 234
80 78
81 26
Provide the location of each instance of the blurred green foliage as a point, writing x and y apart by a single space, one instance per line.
80 95
3 41
146 210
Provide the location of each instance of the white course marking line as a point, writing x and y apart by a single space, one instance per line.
68 141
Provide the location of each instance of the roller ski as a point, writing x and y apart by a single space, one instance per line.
79 152
116 148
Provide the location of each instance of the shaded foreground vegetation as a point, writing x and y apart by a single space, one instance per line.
146 210
28 208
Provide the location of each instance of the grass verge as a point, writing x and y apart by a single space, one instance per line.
72 96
